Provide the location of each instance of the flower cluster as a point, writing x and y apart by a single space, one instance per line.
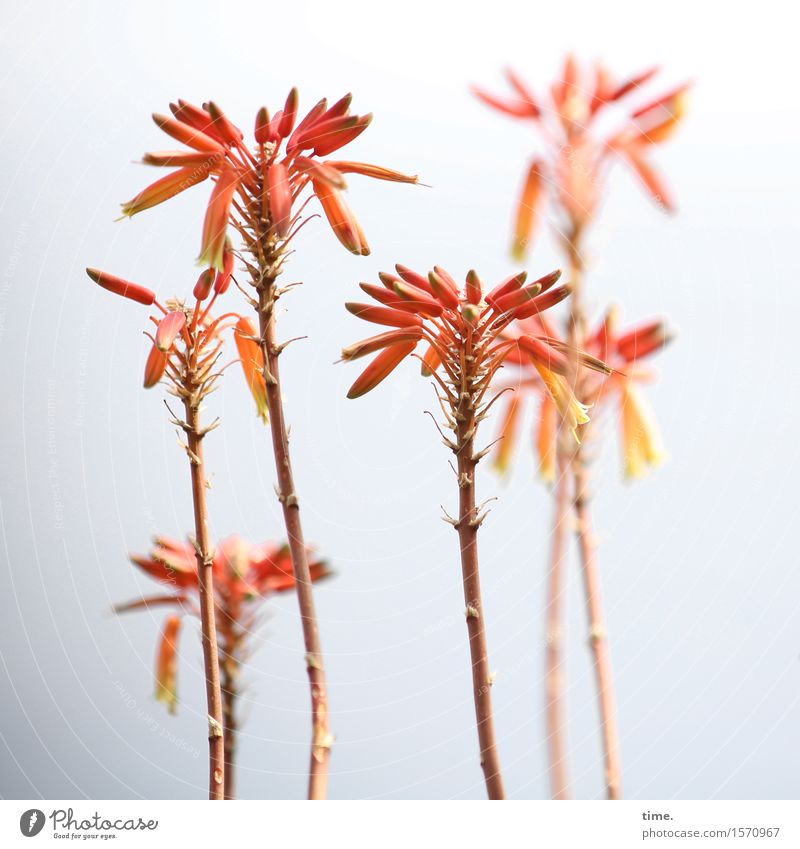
259 190
578 148
623 352
244 576
187 340
464 332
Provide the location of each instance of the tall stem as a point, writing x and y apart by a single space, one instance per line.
586 547
321 737
229 665
216 755
467 526
597 634
554 639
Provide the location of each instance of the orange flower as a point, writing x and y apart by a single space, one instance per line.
343 223
191 336
527 209
445 315
641 441
215 226
267 181
244 576
252 359
375 171
168 329
167 664
122 287
623 352
169 186
155 366
577 150
280 198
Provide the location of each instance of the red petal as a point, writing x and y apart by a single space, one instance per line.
383 315
380 368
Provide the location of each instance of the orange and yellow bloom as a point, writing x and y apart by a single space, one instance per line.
577 146
245 575
433 309
188 339
622 352
268 178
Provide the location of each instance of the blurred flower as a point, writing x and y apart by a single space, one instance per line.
578 145
623 353
262 187
245 575
167 664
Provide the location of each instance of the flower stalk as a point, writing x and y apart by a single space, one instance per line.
186 348
261 193
204 554
554 638
287 495
467 526
571 175
571 457
245 576
466 334
598 641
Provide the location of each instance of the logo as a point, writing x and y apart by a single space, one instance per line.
31 822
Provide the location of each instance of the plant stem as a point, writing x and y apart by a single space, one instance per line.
229 665
597 633
554 639
216 755
467 526
321 737
586 546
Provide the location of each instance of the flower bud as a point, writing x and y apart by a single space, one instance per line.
168 329
202 289
118 286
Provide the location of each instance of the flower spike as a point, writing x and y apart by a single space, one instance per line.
574 161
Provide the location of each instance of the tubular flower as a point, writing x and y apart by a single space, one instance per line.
573 164
167 664
252 359
187 342
245 575
623 352
262 186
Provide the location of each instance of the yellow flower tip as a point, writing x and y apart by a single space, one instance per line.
167 664
642 448
167 697
518 251
500 466
210 258
547 474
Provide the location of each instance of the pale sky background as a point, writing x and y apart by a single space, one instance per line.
699 562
